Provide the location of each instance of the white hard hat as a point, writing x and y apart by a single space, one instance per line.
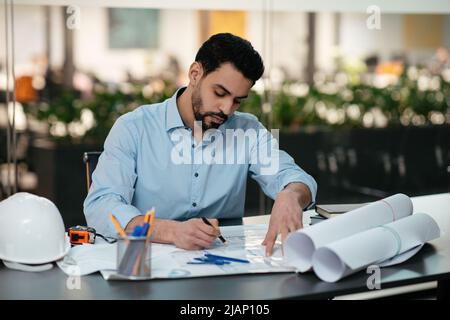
31 232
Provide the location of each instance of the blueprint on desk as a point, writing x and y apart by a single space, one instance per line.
243 242
167 261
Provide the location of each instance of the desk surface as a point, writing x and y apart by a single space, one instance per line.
431 263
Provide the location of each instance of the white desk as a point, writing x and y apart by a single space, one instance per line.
436 205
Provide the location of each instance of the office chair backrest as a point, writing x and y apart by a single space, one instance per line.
90 159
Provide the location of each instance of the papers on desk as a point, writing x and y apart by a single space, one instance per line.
383 233
89 258
167 261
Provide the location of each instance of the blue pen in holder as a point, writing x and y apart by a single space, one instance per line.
134 257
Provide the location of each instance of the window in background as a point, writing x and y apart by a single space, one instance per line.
133 28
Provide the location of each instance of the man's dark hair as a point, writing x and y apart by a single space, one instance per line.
226 47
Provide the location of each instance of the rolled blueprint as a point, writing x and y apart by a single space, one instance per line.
387 244
300 245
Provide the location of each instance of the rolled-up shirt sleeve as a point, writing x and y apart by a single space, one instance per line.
274 169
113 181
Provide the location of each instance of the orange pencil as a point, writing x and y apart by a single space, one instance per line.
117 225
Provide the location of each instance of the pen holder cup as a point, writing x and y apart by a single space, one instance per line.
134 257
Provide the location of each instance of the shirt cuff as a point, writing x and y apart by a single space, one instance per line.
312 186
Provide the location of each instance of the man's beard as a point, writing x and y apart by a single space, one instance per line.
197 106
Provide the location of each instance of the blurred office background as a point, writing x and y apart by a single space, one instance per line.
360 90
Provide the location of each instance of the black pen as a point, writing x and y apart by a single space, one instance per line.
209 224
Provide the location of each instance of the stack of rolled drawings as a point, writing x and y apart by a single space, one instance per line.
383 233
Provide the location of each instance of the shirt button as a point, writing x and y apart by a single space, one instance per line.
196 175
193 145
194 204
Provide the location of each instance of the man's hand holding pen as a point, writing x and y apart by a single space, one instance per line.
194 234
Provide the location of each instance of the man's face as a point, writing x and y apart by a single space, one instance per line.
218 95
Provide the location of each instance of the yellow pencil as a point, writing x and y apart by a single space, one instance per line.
152 224
117 225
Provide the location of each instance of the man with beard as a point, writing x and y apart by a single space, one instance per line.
154 157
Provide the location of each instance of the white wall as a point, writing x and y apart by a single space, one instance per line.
57 36
179 36
29 40
359 41
288 35
325 41
92 53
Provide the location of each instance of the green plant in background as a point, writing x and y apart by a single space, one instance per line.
73 119
407 102
284 109
433 97
252 104
108 105
418 100
59 113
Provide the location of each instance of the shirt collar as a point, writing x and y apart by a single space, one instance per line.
173 118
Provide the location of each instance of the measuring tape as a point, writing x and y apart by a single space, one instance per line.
82 235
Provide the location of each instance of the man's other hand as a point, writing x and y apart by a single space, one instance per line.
286 217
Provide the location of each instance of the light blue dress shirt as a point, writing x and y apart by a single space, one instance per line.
151 159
